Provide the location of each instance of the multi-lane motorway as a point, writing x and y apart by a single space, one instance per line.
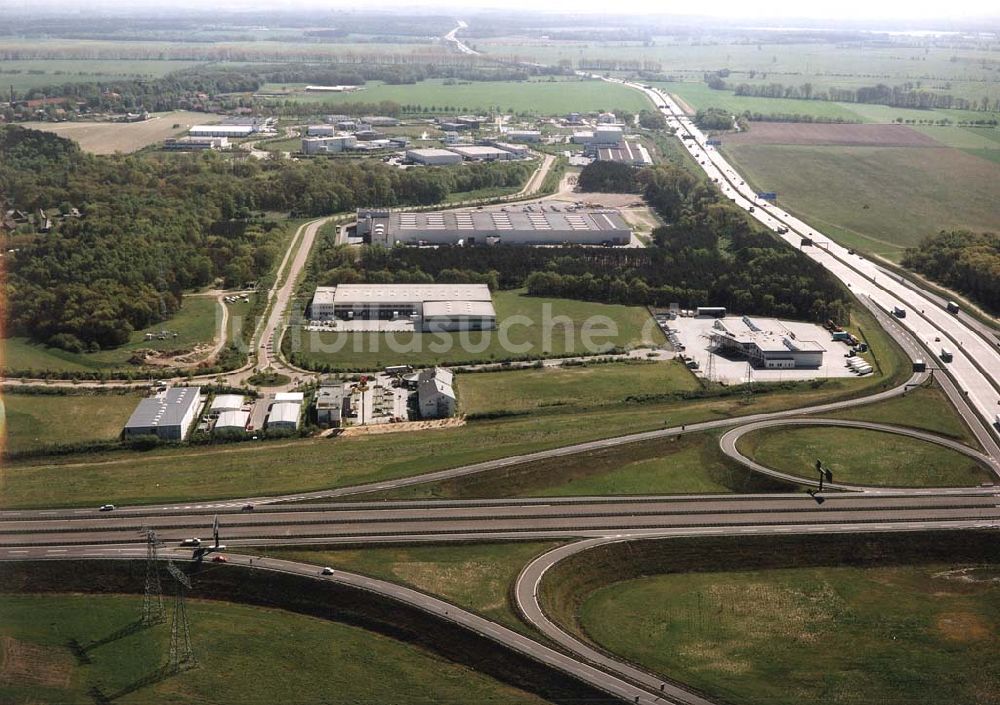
975 348
325 518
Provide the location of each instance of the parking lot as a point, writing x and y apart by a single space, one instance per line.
690 337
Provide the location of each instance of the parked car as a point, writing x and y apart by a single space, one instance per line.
107 507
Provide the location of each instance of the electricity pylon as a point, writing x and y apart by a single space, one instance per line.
181 654
152 597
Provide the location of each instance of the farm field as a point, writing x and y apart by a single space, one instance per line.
876 199
807 133
577 386
196 324
542 97
24 74
474 576
111 137
247 654
698 95
811 636
860 456
36 421
132 54
528 327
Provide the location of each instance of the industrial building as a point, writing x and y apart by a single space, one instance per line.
433 157
430 307
168 415
381 121
321 130
601 136
330 405
327 145
634 154
230 131
518 150
483 153
195 144
233 421
257 124
284 415
766 343
524 225
523 135
226 402
435 394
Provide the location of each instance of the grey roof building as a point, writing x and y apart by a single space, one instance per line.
524 225
168 415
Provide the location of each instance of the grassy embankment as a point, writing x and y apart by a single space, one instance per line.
246 654
476 577
864 457
795 619
528 327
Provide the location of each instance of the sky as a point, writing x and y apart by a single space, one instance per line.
849 10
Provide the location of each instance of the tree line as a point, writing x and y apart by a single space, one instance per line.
961 260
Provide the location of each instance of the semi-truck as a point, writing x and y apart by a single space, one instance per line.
919 366
953 307
946 355
899 312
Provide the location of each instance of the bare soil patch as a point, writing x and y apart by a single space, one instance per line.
111 137
962 626
808 133
30 664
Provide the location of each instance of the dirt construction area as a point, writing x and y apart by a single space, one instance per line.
111 137
807 133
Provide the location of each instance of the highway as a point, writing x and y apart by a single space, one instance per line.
976 364
318 518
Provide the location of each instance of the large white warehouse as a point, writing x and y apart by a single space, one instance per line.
431 307
766 343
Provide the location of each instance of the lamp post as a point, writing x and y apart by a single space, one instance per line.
824 474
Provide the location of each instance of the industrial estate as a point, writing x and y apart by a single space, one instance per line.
368 355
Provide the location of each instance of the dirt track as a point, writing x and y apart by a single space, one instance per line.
808 133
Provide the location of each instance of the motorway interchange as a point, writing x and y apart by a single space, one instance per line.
324 517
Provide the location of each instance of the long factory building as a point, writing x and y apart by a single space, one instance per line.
523 225
430 307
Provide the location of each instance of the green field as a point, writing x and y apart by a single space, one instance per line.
804 636
195 324
877 199
540 97
926 408
477 577
861 456
698 95
35 422
39 73
689 464
246 654
577 386
528 327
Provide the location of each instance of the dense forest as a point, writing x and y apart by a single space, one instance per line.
961 260
710 253
153 226
608 177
